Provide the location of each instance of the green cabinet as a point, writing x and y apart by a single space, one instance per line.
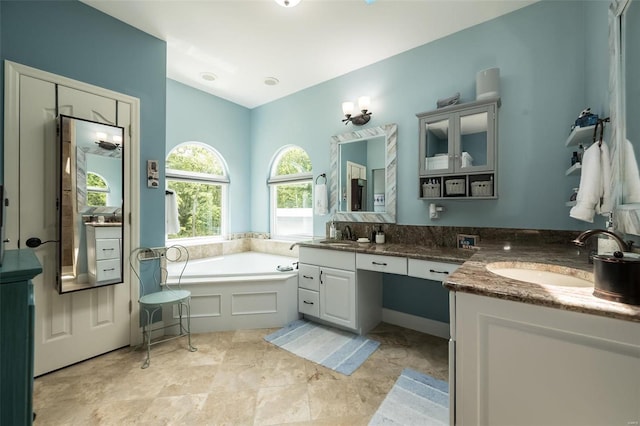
17 316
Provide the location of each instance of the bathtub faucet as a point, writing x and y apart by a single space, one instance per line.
293 245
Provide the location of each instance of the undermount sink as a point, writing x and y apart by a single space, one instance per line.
543 274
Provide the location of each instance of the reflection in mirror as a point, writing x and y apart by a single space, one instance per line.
363 175
91 204
624 44
631 69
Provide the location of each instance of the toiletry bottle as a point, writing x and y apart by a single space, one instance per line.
332 229
580 153
574 158
380 236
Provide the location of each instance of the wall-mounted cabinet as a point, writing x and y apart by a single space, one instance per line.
458 151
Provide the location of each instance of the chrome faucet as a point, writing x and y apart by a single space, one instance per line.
582 238
348 235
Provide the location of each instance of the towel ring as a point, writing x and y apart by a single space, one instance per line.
323 175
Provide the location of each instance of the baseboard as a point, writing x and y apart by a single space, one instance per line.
413 322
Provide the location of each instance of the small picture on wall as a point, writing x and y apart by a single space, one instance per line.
467 241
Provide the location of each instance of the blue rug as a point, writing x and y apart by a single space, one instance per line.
415 399
336 349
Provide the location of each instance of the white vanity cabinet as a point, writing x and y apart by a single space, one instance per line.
104 253
517 363
329 290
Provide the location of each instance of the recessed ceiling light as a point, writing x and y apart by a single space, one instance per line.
271 81
208 76
288 3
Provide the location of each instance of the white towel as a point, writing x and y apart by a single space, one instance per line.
594 194
631 185
606 201
172 224
321 202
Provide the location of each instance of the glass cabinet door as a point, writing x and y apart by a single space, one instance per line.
437 141
474 149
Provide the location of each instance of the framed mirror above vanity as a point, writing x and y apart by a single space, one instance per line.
625 106
91 194
363 175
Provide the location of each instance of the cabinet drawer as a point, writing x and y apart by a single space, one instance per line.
309 277
388 264
430 270
107 249
338 259
108 270
108 231
308 302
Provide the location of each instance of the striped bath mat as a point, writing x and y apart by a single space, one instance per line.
336 349
415 399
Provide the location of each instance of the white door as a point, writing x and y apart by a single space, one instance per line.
74 326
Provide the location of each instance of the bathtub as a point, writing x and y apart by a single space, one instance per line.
238 291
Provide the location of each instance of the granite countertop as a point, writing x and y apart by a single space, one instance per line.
473 277
442 254
103 224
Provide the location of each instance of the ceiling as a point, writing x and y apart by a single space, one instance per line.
244 42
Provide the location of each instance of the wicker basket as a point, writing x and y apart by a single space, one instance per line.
430 190
455 186
482 188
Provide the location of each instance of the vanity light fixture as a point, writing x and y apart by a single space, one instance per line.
363 106
105 144
287 3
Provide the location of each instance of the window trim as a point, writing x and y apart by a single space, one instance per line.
277 180
205 178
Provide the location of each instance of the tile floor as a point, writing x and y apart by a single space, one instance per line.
235 378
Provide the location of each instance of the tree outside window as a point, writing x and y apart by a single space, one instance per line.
197 176
291 194
97 190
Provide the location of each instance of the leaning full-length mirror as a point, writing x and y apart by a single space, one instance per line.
363 175
91 185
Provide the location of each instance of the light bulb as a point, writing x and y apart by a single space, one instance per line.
364 102
347 108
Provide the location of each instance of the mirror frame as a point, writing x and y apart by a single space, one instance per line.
78 203
390 132
626 216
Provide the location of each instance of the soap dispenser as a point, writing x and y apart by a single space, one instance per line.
380 236
332 229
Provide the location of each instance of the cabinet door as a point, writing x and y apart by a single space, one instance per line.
475 140
338 297
522 364
436 145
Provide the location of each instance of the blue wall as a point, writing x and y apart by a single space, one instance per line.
71 39
193 115
548 75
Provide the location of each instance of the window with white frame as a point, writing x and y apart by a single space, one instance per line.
291 195
198 177
97 190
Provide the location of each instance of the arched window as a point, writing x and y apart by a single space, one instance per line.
291 194
197 176
97 190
